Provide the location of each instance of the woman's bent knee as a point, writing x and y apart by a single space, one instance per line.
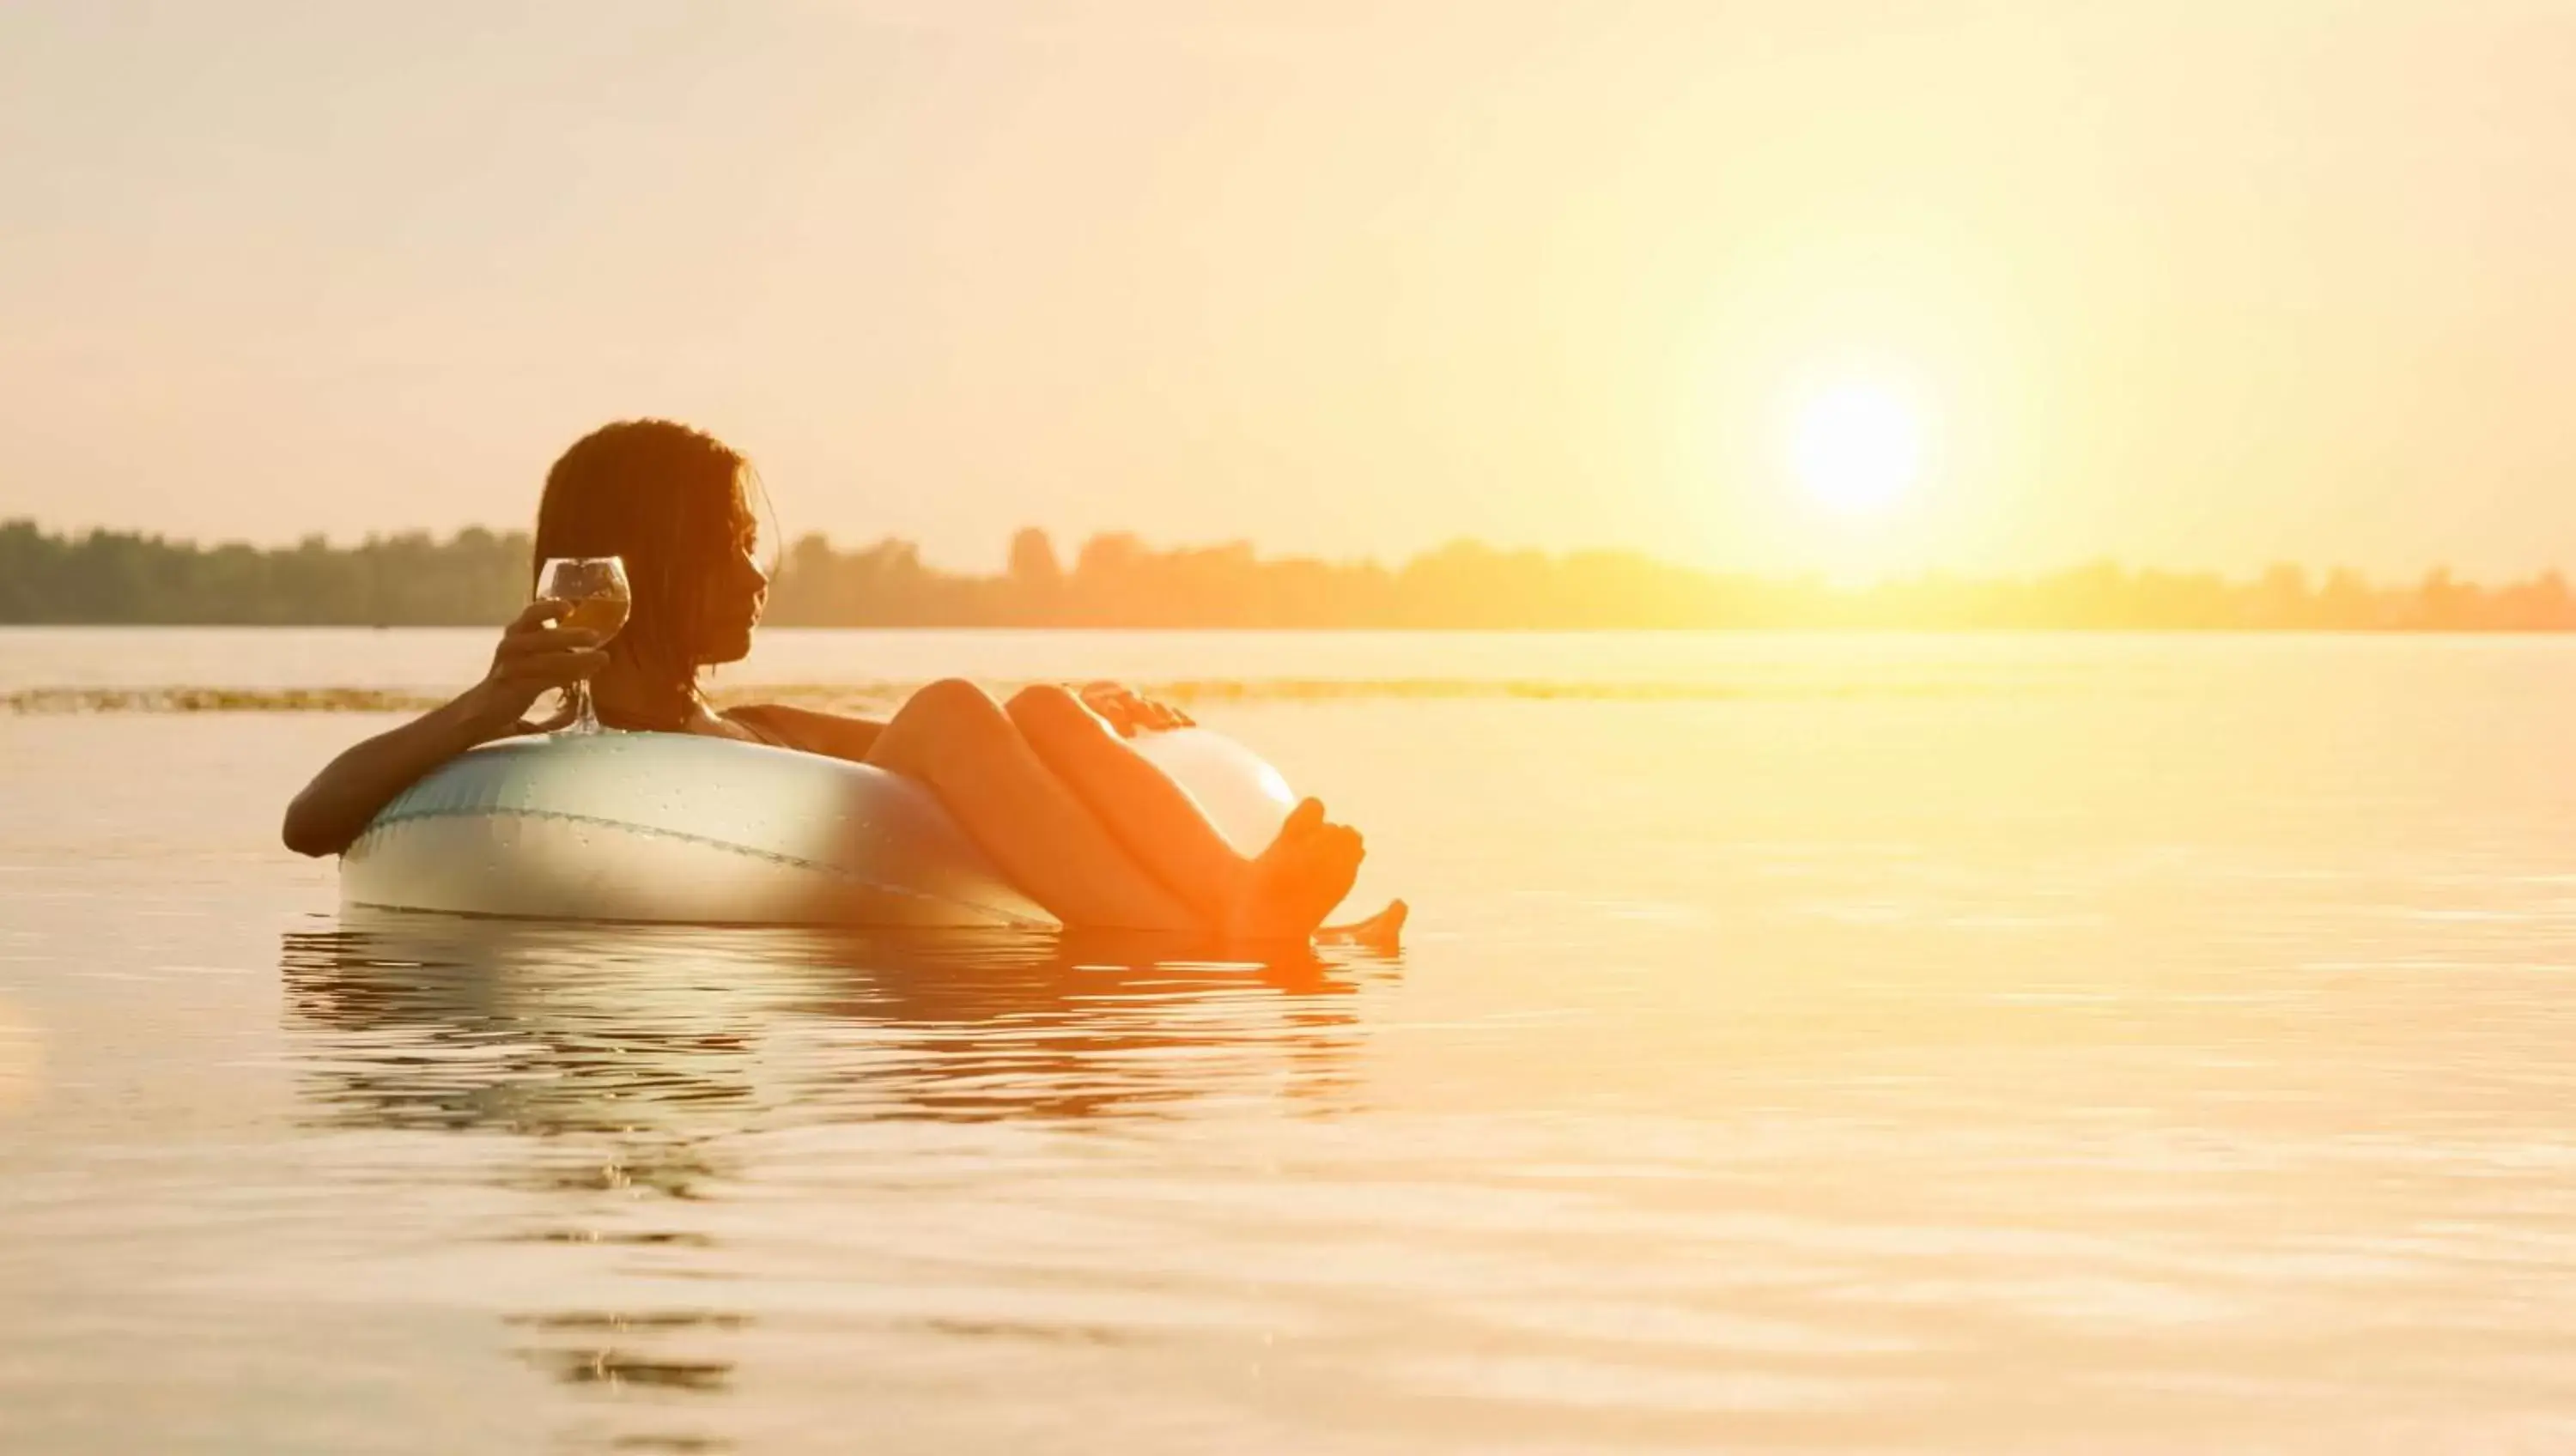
936 724
1040 707
952 702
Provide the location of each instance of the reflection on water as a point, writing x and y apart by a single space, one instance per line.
546 1029
2176 1062
642 1065
594 1349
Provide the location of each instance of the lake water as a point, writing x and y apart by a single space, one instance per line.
1862 1044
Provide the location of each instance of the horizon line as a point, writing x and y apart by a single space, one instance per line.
1831 580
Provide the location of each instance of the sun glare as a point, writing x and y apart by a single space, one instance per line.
1856 447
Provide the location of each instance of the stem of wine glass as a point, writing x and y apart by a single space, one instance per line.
584 719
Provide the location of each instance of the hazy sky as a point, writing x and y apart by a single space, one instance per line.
2197 284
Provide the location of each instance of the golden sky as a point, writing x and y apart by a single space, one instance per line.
2195 284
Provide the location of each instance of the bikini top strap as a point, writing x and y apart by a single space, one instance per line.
750 717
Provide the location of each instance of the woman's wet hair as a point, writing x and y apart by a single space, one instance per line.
673 502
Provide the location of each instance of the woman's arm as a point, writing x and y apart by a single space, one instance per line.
836 736
337 806
533 657
829 734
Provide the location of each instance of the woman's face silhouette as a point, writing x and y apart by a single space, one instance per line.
733 606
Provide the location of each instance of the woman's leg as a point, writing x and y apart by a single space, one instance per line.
1289 889
1154 817
953 737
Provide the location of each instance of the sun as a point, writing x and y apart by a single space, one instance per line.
1856 447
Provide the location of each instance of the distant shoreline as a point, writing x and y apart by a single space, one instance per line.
1117 581
876 696
1813 629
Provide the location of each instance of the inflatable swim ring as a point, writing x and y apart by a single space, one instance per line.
676 827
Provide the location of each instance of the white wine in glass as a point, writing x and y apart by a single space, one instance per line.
593 589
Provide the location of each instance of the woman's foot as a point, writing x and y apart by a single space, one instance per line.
1298 880
1383 931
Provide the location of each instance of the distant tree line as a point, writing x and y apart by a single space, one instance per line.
1116 580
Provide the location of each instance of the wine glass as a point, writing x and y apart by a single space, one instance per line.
594 589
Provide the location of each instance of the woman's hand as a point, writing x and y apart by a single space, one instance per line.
534 658
1123 710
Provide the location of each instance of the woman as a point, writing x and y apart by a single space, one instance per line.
1045 785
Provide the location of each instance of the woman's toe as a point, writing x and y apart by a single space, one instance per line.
1305 819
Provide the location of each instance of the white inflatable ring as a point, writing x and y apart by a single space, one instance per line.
674 827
